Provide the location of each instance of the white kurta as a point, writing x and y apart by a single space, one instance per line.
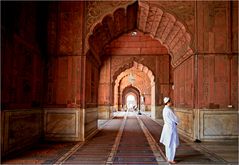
169 136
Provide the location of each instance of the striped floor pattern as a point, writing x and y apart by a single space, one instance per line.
128 138
121 141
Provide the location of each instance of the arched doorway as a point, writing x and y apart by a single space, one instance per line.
130 98
130 101
148 18
145 84
151 20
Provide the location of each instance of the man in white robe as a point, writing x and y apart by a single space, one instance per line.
169 136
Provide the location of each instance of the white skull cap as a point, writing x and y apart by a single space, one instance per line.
166 99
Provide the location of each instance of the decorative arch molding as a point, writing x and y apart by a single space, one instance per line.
110 25
118 75
148 18
167 29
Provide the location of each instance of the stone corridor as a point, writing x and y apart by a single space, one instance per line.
69 69
128 138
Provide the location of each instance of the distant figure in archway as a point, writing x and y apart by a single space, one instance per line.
169 136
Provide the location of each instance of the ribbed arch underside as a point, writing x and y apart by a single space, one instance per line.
120 73
149 19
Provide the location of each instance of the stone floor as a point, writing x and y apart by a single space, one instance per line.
127 139
225 150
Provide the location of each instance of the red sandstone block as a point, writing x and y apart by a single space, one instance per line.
120 44
150 44
134 44
145 38
164 49
123 51
151 51
133 38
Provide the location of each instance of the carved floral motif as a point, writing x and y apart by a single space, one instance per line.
184 11
168 30
96 9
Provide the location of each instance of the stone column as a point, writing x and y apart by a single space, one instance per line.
64 104
153 115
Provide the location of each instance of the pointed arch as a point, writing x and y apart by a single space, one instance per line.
151 19
122 72
118 74
131 90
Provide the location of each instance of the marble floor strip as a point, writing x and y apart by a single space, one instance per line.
158 153
117 141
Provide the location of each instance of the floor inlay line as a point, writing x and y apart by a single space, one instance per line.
158 153
117 141
74 149
69 153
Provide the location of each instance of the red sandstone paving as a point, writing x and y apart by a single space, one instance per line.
42 153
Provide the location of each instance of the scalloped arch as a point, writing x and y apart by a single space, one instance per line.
119 74
150 19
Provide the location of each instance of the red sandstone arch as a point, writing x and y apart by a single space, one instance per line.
131 90
137 65
121 73
163 26
148 18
